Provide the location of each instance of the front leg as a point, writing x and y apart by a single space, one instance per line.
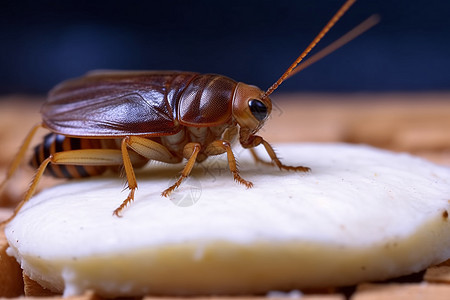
253 141
280 165
258 159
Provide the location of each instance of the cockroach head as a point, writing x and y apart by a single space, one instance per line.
250 108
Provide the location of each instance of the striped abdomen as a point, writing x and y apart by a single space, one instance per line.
57 143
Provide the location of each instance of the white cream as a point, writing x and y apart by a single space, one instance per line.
361 214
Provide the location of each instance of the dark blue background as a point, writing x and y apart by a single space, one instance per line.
44 42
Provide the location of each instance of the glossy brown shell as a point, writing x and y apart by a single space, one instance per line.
147 103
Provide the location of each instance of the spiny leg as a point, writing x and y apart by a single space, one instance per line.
152 150
30 190
103 157
280 165
148 149
131 177
218 147
258 159
20 155
156 151
190 151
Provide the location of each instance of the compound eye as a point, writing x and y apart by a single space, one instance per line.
258 109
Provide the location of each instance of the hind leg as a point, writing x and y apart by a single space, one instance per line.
20 155
103 157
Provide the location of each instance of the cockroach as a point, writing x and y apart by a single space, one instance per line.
114 118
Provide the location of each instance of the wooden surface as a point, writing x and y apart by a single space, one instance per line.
414 123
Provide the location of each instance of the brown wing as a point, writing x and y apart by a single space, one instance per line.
116 104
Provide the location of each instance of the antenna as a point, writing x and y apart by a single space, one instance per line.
321 34
352 34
